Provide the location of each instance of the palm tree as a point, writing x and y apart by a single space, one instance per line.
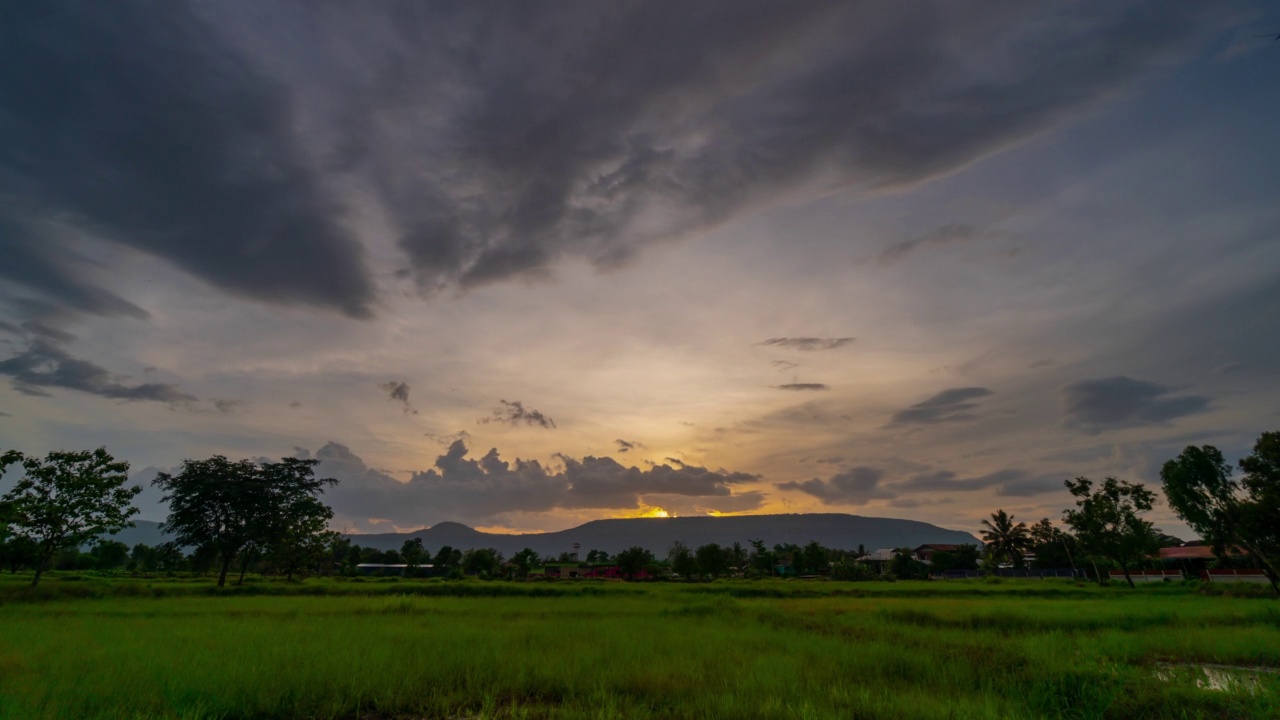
1004 539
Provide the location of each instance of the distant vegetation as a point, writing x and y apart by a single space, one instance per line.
269 518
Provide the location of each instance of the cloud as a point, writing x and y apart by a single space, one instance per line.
807 344
947 406
514 413
45 365
221 141
945 235
468 489
802 386
627 445
398 392
450 438
1010 482
4 414
227 406
1092 406
784 365
169 142
854 486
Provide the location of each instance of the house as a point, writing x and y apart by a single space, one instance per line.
925 553
395 569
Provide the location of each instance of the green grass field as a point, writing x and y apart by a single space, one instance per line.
94 648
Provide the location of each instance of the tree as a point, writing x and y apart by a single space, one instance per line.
213 506
413 553
905 566
241 509
68 500
1199 488
965 557
447 559
682 560
1053 548
1107 522
814 558
109 555
633 560
291 520
597 556
525 560
1259 528
1201 491
1004 539
762 559
483 562
712 560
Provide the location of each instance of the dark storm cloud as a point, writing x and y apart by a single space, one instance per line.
134 123
469 489
1116 402
808 344
45 365
854 486
227 406
48 331
947 406
945 235
515 413
944 480
396 391
802 386
627 445
497 139
622 125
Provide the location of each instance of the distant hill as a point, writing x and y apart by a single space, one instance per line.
833 530
143 531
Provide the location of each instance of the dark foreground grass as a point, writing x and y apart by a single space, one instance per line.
723 650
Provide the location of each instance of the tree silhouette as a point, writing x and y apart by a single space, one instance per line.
66 500
1107 523
1006 539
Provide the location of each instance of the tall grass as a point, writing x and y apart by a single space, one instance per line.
724 650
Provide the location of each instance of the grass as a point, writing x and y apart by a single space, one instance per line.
386 650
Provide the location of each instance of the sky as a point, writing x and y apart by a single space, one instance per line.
527 264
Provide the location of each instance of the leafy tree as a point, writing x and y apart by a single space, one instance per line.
1259 530
633 560
68 500
905 566
597 556
682 560
485 562
413 553
109 555
1053 547
712 560
243 509
1107 522
214 506
1201 491
525 561
1004 539
814 558
291 520
762 559
447 559
965 557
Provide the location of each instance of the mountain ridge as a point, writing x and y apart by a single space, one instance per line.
834 530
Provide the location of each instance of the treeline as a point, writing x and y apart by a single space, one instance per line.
268 517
